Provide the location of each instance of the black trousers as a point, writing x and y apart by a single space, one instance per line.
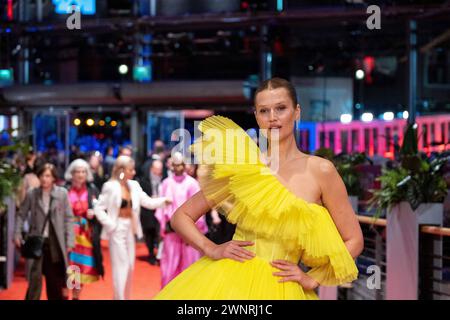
151 237
150 229
51 265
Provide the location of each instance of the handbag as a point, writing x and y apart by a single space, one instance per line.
33 245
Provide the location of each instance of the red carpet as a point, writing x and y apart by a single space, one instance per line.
146 281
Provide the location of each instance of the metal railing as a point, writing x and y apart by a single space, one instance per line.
374 253
434 263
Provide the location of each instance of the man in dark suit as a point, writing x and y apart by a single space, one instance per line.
150 225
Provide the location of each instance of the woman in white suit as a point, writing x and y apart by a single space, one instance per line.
118 210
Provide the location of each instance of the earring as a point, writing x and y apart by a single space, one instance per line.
297 133
121 175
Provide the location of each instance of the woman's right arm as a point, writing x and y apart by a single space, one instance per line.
100 209
183 222
21 216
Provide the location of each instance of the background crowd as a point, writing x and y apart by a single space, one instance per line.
76 208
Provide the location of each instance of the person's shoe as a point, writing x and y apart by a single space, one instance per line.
153 261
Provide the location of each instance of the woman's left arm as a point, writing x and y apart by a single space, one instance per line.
68 221
335 199
151 203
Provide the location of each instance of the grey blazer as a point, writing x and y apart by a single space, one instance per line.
61 217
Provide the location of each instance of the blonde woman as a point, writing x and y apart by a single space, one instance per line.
118 210
299 213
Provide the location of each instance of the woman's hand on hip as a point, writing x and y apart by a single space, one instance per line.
292 272
232 250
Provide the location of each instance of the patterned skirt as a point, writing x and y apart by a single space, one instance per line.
82 267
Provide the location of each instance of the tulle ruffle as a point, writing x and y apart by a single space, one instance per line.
244 190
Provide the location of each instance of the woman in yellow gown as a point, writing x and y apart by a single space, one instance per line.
298 212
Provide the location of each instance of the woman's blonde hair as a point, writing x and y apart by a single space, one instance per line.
75 164
119 165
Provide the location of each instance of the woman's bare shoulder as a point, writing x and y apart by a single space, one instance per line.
320 167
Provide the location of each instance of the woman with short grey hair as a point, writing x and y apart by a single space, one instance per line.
86 258
78 164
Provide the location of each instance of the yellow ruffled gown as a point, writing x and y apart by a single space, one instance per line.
281 225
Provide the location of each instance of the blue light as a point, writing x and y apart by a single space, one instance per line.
87 7
143 73
280 5
8 30
147 38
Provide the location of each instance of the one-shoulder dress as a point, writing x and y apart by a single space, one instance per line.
281 225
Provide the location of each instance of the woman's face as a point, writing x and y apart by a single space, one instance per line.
94 162
46 179
169 164
79 175
129 172
190 169
275 110
32 159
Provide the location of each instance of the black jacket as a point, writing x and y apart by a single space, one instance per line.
148 219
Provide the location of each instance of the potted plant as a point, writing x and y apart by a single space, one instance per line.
347 166
10 176
415 179
412 192
10 179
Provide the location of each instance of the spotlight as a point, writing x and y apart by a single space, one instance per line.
90 122
388 116
113 123
101 123
123 69
359 74
367 117
77 122
405 114
346 118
